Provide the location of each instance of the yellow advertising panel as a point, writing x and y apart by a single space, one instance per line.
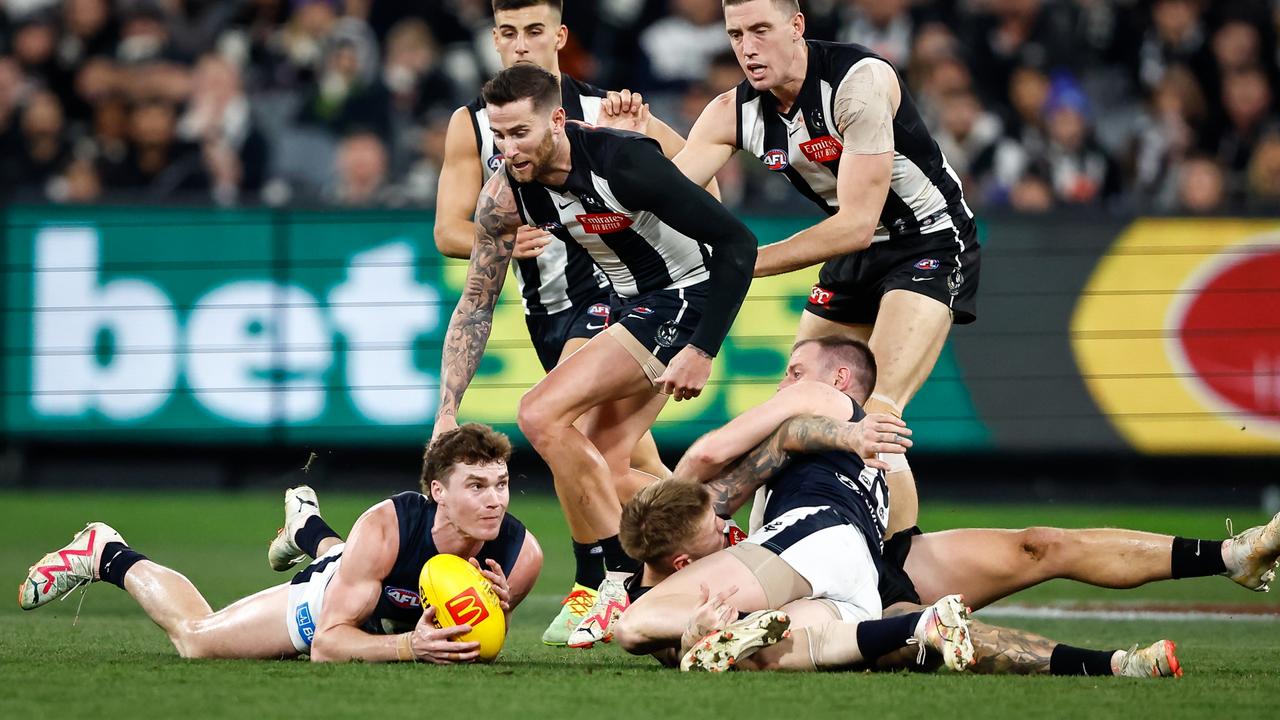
1177 335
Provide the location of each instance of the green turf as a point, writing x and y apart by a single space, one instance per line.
114 663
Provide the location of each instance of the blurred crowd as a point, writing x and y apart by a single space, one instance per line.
1128 105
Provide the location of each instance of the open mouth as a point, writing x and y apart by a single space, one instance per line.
756 70
522 165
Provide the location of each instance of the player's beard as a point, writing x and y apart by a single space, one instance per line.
543 155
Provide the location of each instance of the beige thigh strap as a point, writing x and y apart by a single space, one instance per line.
780 581
652 366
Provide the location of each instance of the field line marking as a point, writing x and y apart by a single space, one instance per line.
1059 613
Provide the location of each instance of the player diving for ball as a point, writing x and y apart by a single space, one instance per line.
565 296
899 249
358 600
794 445
679 265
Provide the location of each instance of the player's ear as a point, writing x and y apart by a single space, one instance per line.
797 26
843 377
558 118
679 561
562 37
437 491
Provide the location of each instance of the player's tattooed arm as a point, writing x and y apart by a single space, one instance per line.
496 222
800 435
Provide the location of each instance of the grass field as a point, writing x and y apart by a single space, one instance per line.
113 662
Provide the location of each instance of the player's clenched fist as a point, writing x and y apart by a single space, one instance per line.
437 645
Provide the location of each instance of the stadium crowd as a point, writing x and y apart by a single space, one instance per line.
1128 105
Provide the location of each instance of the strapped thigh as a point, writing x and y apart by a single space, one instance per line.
780 582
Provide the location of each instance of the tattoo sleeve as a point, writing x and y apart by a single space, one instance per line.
800 434
1006 651
496 222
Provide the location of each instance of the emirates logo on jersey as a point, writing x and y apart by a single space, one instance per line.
823 149
776 160
604 223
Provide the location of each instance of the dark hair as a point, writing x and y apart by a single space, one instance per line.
498 5
472 443
854 354
787 6
521 81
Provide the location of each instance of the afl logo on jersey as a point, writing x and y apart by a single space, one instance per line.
599 310
402 598
927 264
495 161
776 160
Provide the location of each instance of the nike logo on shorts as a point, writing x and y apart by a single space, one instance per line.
595 327
920 279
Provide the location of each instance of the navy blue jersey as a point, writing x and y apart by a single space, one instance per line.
399 607
838 480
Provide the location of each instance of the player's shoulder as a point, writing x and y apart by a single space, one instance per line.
605 146
584 89
837 58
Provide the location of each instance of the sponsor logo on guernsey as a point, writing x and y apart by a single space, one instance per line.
776 160
604 223
823 149
820 296
927 264
402 598
306 626
551 227
641 310
466 608
495 161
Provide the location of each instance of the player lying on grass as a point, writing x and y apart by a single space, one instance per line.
672 524
358 601
826 375
829 375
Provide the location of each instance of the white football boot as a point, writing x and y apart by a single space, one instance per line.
722 649
300 503
1158 660
597 626
64 570
1252 556
944 627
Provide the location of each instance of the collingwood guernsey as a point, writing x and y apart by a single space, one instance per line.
562 277
803 144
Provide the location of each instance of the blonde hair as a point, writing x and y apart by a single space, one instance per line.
661 517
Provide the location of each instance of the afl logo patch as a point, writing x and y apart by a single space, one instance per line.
402 598
495 161
927 264
776 160
599 310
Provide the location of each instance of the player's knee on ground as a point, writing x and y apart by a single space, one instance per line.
630 633
192 642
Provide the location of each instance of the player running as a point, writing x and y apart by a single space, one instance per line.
565 296
899 247
357 601
667 246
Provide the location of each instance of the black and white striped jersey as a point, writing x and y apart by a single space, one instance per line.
924 192
636 250
562 276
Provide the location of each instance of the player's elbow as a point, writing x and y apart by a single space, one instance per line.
701 462
323 648
447 243
856 233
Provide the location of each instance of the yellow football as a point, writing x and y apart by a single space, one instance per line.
462 596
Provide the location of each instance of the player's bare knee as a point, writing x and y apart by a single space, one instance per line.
190 641
533 418
1041 544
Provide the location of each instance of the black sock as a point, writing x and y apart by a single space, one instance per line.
881 637
615 558
117 559
312 533
589 559
1067 660
1196 558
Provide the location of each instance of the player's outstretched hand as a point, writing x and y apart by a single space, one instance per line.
443 424
714 611
877 433
437 645
624 110
530 242
685 375
498 579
